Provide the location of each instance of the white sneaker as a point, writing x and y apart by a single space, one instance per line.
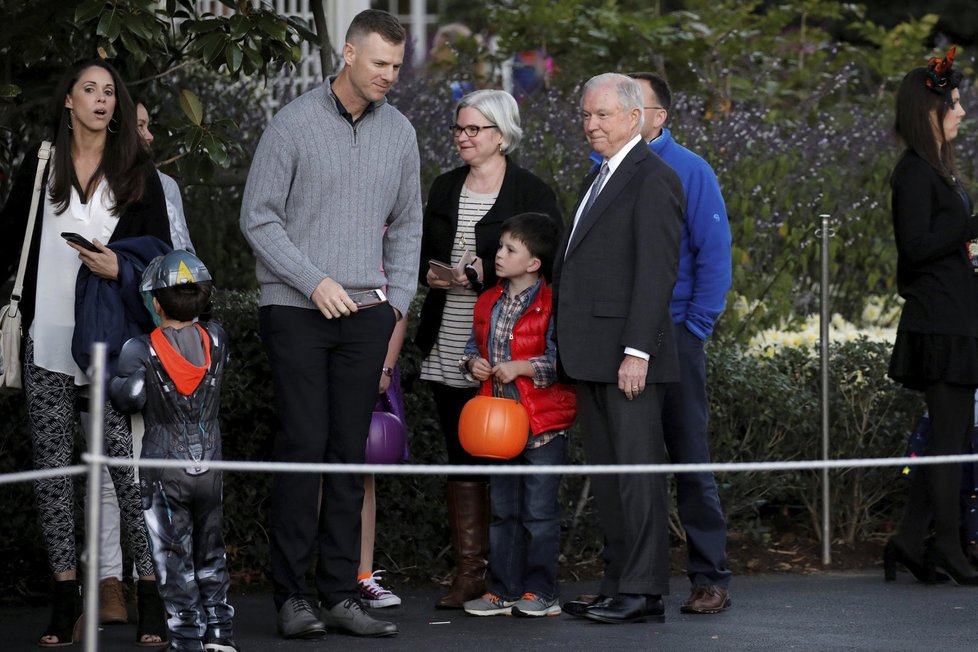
374 595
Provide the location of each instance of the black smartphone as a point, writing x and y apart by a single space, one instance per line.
79 240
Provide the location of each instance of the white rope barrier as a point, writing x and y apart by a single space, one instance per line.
491 469
523 469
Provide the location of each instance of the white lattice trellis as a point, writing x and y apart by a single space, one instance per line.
308 73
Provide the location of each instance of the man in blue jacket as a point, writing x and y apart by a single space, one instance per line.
697 300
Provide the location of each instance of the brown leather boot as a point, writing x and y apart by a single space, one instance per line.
111 602
468 517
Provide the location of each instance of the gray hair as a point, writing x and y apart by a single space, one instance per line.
628 90
499 108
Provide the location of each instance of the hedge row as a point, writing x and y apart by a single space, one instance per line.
763 408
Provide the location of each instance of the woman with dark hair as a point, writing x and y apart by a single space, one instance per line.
100 184
466 206
936 349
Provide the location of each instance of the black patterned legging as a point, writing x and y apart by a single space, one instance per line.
51 412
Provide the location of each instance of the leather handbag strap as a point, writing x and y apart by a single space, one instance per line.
43 155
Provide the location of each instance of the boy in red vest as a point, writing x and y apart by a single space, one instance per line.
511 350
173 376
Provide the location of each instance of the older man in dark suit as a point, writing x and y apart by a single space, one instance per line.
613 281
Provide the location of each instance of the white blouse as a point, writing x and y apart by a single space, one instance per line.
57 270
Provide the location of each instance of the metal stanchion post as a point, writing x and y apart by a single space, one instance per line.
93 515
824 321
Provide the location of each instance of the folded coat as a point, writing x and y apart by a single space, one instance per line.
112 311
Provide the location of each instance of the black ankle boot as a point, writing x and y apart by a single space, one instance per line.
921 569
66 615
893 554
954 565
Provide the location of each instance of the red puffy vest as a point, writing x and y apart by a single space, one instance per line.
549 408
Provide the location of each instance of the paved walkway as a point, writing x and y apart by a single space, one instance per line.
822 611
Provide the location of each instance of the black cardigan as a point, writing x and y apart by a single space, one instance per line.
146 217
521 192
932 223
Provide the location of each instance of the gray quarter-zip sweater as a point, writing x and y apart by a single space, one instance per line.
319 194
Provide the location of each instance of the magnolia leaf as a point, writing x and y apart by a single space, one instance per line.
192 108
233 55
203 26
192 139
216 150
239 26
88 10
109 25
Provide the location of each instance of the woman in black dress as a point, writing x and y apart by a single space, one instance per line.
936 349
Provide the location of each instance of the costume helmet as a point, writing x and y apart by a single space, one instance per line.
178 267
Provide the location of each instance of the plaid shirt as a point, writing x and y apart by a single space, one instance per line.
505 314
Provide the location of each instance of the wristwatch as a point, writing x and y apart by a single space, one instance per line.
388 371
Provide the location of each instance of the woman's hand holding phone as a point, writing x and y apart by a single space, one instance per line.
80 241
101 260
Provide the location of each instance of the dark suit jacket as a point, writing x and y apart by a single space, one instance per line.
613 283
521 191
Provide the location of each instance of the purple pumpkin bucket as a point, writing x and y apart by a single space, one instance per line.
385 442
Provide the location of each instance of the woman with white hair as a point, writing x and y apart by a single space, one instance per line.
465 209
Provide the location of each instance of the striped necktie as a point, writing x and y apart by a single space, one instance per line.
595 189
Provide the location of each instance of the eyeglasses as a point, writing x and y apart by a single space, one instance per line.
470 130
661 108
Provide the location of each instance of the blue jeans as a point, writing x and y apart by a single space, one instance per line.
524 537
685 414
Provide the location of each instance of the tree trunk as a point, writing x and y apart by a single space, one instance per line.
327 57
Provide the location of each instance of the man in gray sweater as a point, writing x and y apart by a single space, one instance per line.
332 170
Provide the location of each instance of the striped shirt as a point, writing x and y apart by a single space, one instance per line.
441 365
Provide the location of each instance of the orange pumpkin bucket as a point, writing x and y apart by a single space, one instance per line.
493 427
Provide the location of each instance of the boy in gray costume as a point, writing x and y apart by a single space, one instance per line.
173 376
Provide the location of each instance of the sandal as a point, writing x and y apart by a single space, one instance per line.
66 615
152 615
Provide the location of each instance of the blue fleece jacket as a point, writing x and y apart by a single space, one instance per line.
112 311
700 293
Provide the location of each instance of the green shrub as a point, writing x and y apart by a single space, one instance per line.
768 408
764 407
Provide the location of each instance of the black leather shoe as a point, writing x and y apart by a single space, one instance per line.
351 617
628 608
579 606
